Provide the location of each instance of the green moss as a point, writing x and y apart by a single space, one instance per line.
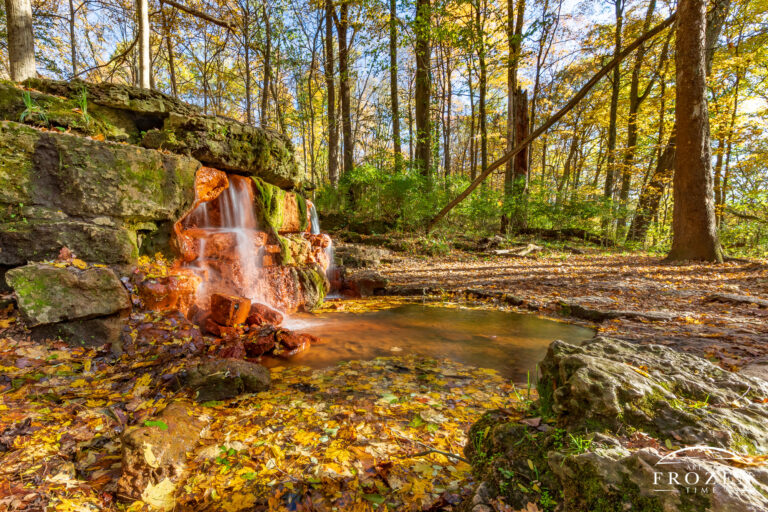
269 200
301 204
286 255
30 290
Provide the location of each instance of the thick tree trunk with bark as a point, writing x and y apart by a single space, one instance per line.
21 40
694 234
393 84
330 86
344 89
423 152
145 64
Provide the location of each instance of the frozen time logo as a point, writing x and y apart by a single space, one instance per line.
698 481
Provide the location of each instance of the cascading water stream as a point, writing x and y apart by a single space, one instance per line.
229 222
315 230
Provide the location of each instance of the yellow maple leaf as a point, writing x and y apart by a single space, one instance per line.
78 263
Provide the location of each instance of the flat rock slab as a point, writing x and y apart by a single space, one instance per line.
47 294
572 308
734 298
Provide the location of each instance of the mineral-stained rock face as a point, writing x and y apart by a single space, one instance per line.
48 294
154 455
94 197
630 428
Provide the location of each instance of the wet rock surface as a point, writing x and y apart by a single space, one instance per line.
628 427
220 379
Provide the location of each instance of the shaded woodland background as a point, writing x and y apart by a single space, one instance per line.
340 78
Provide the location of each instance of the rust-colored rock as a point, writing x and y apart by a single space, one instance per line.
229 310
155 454
218 330
291 215
174 292
262 314
209 183
290 343
260 342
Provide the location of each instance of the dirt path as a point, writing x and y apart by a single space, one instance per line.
652 302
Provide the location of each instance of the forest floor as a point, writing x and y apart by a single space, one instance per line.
356 436
702 309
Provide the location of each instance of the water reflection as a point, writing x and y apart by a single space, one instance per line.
511 343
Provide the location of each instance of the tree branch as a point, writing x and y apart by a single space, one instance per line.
200 14
552 120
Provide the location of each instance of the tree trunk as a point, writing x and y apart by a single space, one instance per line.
648 204
267 68
330 85
169 49
694 234
615 87
472 145
393 84
246 30
514 41
635 99
482 85
21 40
72 38
142 13
344 88
423 50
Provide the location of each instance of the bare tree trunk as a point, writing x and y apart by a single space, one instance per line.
246 32
330 85
482 84
610 171
344 88
171 59
393 84
472 144
72 38
142 13
263 118
423 154
21 40
694 234
635 100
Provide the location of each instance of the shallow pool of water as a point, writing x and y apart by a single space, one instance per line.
511 343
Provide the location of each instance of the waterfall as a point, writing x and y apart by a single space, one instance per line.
314 220
228 226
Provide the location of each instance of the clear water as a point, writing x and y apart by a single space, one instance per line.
510 343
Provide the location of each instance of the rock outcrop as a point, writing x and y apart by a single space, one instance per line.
100 199
627 427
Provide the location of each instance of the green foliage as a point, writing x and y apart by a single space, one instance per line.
32 111
82 103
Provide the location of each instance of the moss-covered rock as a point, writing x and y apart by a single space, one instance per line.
47 294
221 379
229 145
624 430
100 199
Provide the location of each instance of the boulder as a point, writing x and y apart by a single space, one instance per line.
612 383
47 294
355 256
229 310
619 427
261 314
229 145
154 456
221 379
362 283
92 332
